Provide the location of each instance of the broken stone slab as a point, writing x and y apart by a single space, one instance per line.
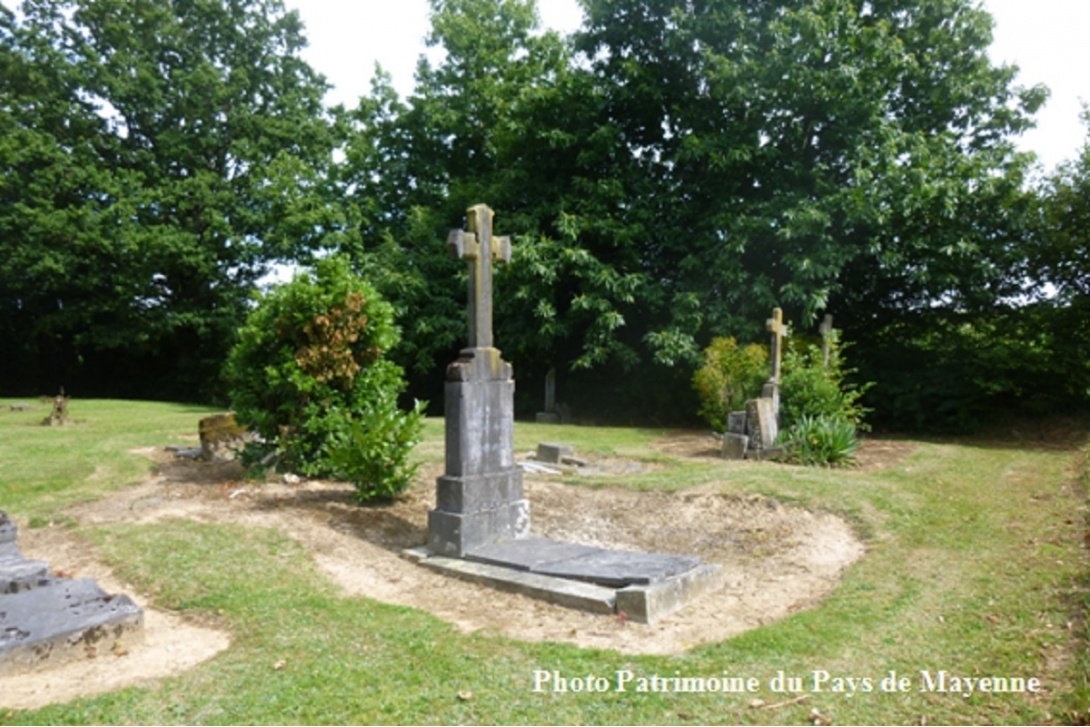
553 452
735 445
64 621
183 452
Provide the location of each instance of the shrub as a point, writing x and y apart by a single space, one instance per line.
808 388
729 377
821 440
308 375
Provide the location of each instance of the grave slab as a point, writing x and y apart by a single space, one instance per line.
553 452
62 621
571 594
648 603
620 567
530 553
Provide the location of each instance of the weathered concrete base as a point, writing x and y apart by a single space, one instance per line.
456 533
644 586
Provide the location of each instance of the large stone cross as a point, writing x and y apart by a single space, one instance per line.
479 247
776 327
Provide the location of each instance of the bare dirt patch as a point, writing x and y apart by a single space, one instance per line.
776 559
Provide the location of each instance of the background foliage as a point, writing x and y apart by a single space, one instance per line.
711 161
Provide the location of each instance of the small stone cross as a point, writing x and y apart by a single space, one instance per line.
776 327
826 331
479 247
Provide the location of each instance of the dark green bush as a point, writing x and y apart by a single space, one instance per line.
308 374
729 377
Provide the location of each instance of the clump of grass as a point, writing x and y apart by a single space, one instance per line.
822 440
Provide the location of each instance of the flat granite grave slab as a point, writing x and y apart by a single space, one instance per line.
63 620
644 586
584 562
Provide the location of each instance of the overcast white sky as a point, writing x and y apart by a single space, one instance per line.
1045 38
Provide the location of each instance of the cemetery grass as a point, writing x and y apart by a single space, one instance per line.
975 565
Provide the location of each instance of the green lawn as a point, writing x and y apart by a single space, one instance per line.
975 566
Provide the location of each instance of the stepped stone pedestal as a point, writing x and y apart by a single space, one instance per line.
47 620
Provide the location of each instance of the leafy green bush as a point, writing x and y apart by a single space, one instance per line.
308 375
729 377
821 440
808 388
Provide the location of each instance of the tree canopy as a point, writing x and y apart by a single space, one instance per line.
155 157
669 173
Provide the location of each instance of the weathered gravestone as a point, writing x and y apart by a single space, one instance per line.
46 619
550 415
479 500
479 529
753 432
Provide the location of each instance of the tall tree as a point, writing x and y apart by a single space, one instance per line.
157 156
684 166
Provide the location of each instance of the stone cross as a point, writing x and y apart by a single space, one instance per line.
826 331
480 248
776 327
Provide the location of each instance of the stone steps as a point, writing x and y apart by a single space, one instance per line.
47 620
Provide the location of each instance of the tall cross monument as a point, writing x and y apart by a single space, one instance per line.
778 329
479 499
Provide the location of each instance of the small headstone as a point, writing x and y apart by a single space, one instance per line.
761 422
735 445
550 414
736 422
553 452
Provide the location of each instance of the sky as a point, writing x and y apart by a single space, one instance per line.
1044 38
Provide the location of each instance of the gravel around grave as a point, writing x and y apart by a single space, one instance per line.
777 559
